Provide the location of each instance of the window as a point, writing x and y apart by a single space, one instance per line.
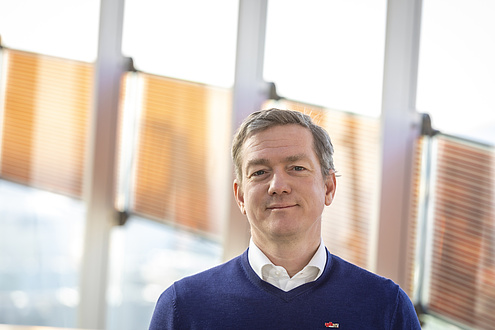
173 149
60 28
460 262
45 118
328 53
43 135
455 85
456 68
140 269
181 137
193 40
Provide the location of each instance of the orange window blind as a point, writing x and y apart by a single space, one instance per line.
45 117
462 279
416 199
171 176
347 223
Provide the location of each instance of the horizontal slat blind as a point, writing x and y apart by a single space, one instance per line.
46 108
171 174
346 223
463 259
417 191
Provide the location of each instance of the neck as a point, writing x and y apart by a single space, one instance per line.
291 255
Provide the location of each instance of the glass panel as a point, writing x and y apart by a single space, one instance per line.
62 28
326 52
40 252
181 149
418 194
44 120
456 67
462 269
147 257
189 39
45 117
174 139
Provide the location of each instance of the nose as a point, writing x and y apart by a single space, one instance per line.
279 184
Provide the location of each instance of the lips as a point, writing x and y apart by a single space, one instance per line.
280 206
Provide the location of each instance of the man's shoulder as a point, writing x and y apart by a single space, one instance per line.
213 276
375 296
358 278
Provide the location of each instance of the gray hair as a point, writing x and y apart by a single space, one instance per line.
261 120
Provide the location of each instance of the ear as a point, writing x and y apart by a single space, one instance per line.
330 187
239 196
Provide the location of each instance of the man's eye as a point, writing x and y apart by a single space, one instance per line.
258 173
299 168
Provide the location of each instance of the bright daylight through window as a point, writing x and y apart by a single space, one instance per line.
325 57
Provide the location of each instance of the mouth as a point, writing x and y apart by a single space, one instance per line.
280 207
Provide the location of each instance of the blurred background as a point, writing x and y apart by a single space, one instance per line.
116 120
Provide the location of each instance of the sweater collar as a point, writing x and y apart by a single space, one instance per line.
257 259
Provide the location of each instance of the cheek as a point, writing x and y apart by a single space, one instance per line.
253 198
319 194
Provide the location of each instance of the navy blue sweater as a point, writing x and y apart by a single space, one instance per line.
232 296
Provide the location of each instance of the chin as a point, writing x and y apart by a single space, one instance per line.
285 232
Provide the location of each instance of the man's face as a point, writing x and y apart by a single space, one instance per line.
283 192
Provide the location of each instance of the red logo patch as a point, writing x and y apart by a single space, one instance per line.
331 325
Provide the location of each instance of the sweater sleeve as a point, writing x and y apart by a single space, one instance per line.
165 314
405 316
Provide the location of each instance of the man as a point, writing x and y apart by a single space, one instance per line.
286 279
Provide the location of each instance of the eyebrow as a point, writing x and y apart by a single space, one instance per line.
264 161
296 158
257 161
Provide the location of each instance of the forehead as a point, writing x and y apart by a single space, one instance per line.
285 141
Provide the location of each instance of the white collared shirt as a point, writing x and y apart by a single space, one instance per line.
278 276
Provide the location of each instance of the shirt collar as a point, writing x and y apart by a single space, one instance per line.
257 259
